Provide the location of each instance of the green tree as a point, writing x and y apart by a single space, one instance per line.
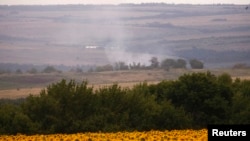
171 117
240 102
240 109
50 69
196 64
167 64
245 88
154 62
136 66
225 79
32 71
121 66
143 109
13 120
58 106
202 96
171 63
180 63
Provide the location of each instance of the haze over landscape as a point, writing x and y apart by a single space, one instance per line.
28 2
69 35
70 67
218 35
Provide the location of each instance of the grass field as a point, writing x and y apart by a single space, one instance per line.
58 35
218 35
17 86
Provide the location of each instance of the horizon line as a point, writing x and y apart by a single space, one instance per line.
148 3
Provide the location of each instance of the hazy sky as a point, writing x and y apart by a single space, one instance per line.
45 2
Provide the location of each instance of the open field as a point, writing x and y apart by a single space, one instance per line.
17 86
19 93
82 43
216 34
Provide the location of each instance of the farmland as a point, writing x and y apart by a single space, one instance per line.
74 103
59 36
216 34
68 106
21 85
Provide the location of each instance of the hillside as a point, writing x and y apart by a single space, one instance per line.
62 34
86 36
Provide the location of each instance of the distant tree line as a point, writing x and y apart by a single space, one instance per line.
192 101
165 64
241 66
8 68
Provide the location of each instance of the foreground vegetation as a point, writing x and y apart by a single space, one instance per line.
190 102
174 135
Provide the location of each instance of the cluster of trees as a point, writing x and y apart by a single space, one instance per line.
7 68
154 63
48 69
241 66
192 101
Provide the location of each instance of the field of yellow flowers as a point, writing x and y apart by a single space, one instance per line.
173 135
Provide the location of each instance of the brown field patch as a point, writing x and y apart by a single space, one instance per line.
19 93
125 79
24 92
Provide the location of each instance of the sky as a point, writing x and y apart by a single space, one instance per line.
46 2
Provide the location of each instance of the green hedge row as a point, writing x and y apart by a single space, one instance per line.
192 101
